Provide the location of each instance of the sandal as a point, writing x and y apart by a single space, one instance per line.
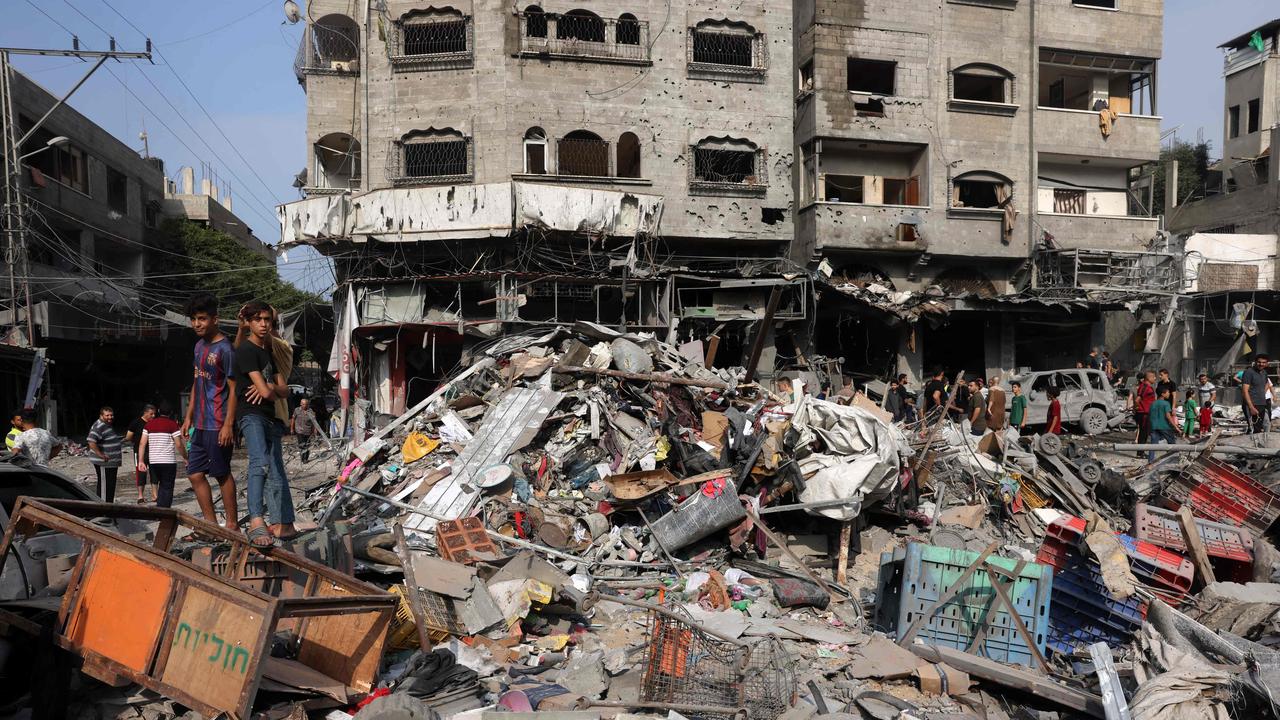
256 534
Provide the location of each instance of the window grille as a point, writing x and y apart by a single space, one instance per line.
420 42
430 160
584 37
726 51
728 168
588 157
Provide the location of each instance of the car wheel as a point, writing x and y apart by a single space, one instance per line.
1090 471
1049 443
1094 421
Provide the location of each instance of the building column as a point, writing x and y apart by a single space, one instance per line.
911 361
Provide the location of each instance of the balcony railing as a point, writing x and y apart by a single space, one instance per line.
736 56
328 49
723 171
438 161
1113 270
583 37
432 44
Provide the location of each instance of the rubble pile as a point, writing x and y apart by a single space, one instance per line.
587 523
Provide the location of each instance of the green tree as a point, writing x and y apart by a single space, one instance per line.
200 259
1193 170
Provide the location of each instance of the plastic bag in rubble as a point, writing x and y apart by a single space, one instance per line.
417 446
630 357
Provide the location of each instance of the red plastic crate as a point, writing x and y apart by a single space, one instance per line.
1160 526
1217 491
1067 528
1165 573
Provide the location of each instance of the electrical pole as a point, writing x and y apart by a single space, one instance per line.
15 221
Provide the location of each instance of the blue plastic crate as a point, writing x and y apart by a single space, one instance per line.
1083 611
913 578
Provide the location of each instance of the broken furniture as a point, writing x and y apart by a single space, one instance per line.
135 613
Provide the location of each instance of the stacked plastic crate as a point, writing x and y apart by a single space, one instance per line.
1216 491
1230 548
912 579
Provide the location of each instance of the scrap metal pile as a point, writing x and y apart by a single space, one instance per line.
588 524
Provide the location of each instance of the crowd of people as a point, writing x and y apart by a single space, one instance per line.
239 391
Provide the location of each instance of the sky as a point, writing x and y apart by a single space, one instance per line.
236 57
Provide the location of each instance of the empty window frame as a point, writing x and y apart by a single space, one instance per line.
875 77
981 83
980 190
1106 4
426 34
1080 81
805 79
117 191
843 188
627 31
535 151
725 44
582 25
332 45
438 154
902 191
1233 121
1255 115
629 155
727 162
337 162
582 153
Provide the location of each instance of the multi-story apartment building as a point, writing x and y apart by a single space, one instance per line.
491 167
960 144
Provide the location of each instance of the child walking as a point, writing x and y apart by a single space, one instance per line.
1190 414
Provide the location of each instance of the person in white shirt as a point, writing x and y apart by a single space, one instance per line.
35 443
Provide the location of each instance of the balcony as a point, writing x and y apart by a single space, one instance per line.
581 35
330 46
1076 132
1098 231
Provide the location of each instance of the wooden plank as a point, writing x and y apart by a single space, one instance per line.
1012 677
1195 547
347 648
215 650
1014 615
842 560
116 587
757 346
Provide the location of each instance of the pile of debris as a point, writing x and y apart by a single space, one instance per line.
592 524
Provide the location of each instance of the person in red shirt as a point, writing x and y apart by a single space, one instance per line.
1054 422
1143 396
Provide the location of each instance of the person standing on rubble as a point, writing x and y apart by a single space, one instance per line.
1163 423
935 392
1190 414
1167 384
1208 396
995 405
893 401
258 384
211 413
303 427
1143 396
1253 389
959 402
977 410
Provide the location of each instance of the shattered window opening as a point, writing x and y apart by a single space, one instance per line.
337 162
1068 201
843 188
581 25
582 153
980 190
876 77
723 165
1255 116
1233 121
980 84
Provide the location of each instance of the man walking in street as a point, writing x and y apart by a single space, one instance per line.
211 412
1018 409
258 384
161 445
304 421
34 442
107 447
134 436
1253 389
1143 396
995 405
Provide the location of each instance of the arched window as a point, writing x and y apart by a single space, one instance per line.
435 154
433 32
581 25
979 189
628 30
337 162
333 45
535 22
728 161
982 82
582 152
535 151
721 42
629 155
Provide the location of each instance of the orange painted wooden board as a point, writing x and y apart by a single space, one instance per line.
347 648
120 609
213 649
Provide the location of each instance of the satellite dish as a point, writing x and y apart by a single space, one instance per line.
291 12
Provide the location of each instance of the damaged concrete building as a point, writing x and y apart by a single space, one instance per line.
482 169
994 149
695 169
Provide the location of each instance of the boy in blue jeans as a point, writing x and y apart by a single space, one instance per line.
258 385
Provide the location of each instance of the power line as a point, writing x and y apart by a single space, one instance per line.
246 16
86 17
51 18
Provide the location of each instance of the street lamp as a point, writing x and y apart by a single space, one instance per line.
59 141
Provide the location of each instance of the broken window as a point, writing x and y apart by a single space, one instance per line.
871 76
332 44
980 83
902 191
1068 201
627 31
730 44
337 162
535 22
440 154
535 151
726 161
1079 81
583 153
629 155
1233 121
433 33
871 107
843 188
1255 113
806 77
581 25
117 191
979 190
